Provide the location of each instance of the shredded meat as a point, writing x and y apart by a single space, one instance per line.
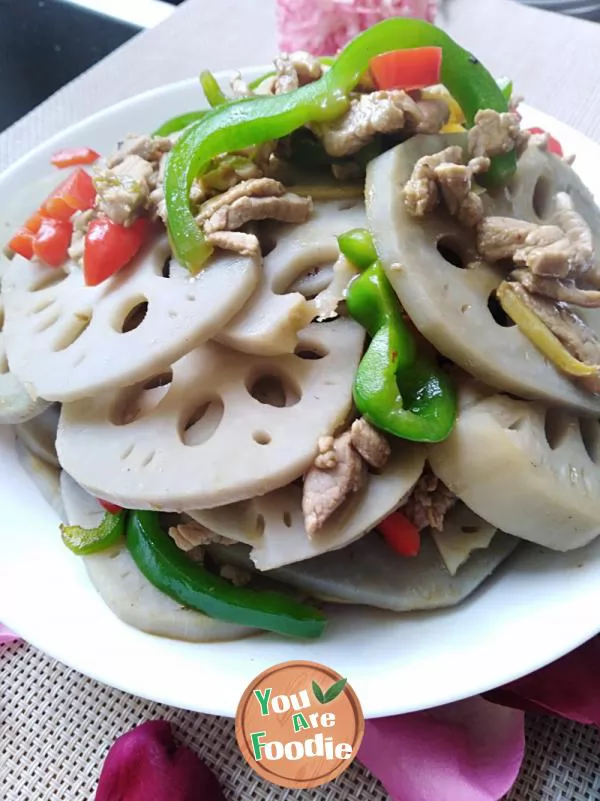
188 536
429 502
495 133
445 176
239 87
236 241
435 114
235 575
368 115
257 199
123 191
370 443
558 257
326 489
81 221
149 148
326 458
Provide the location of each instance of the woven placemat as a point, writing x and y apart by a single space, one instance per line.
56 727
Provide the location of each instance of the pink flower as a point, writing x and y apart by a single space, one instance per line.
6 635
469 750
324 26
147 765
569 687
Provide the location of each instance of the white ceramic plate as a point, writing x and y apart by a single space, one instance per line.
536 608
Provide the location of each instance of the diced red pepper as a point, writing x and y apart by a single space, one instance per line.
76 193
109 507
401 534
33 222
554 146
109 247
407 69
22 243
52 241
73 156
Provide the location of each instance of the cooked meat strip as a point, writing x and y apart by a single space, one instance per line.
375 113
255 187
445 176
81 221
326 458
565 291
149 148
370 443
495 133
435 113
188 536
123 191
325 490
236 241
239 87
429 502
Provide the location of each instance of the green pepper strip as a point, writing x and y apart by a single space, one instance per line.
180 122
212 91
394 389
255 120
188 583
83 541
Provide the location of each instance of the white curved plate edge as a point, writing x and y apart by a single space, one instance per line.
537 608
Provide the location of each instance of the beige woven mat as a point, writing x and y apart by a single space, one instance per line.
56 727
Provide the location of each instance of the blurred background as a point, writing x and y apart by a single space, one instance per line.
46 43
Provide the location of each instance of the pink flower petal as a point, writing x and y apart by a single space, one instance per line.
324 26
147 765
569 687
470 750
6 635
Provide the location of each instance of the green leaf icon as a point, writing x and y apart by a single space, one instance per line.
318 693
335 690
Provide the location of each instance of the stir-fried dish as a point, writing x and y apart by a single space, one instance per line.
331 340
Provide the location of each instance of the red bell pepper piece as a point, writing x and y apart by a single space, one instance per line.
22 243
33 222
109 507
52 241
76 193
74 156
554 146
407 69
401 534
109 247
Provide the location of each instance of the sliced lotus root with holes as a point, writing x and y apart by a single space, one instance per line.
275 525
369 572
221 427
529 470
70 341
45 477
128 594
39 434
16 403
270 321
449 292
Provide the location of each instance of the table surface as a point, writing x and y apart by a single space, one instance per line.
56 725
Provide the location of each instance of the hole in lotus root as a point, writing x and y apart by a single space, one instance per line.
556 427
166 268
450 250
542 197
310 351
50 320
136 401
49 277
469 529
80 321
287 520
266 239
202 423
274 390
590 434
261 437
314 280
497 312
135 317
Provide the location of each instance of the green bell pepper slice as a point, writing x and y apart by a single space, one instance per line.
255 120
212 91
189 583
395 389
84 541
